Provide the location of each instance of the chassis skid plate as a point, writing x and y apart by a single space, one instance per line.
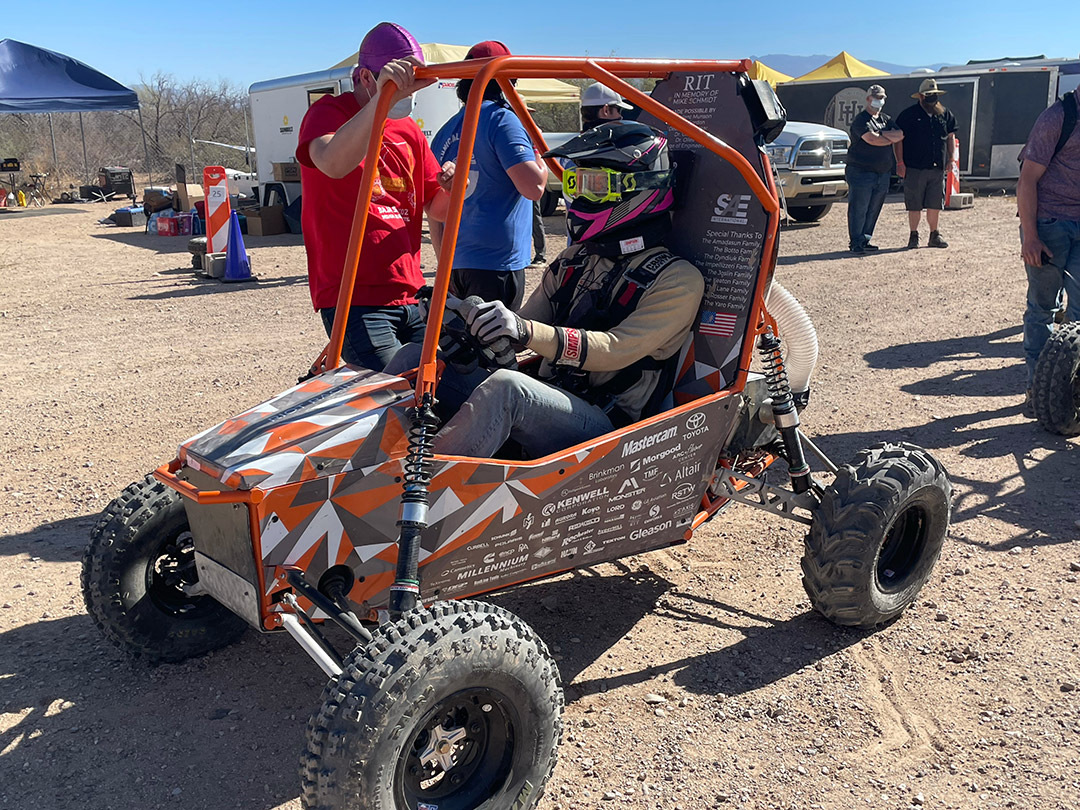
323 465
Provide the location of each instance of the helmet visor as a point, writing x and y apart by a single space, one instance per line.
608 185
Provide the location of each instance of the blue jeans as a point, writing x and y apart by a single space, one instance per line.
1047 283
492 407
866 195
374 334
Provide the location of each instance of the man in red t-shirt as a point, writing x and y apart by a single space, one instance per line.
334 137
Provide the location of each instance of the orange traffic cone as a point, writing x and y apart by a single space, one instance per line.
237 266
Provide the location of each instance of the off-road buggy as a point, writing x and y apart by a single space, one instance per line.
327 504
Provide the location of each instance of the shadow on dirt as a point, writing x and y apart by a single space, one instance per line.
163 245
835 254
1036 496
93 729
923 354
600 611
23 213
229 727
58 541
210 286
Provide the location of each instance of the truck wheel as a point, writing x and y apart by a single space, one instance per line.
1055 393
876 535
134 571
549 203
808 213
456 706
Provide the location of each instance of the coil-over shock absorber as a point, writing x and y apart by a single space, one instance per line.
785 415
412 519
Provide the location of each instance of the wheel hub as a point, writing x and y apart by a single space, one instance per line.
172 576
443 745
461 753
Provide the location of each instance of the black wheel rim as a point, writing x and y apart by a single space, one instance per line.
461 753
902 549
170 570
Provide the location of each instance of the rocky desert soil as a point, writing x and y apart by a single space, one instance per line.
696 677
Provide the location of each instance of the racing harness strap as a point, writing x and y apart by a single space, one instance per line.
575 313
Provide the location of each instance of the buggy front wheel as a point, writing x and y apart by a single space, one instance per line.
876 535
457 706
139 580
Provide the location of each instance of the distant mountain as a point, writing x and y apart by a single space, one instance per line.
798 65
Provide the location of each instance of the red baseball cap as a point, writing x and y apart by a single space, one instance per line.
487 49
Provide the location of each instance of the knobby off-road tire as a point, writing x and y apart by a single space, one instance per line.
808 213
140 554
877 534
1055 392
462 680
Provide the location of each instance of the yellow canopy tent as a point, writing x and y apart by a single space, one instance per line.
840 66
759 70
533 91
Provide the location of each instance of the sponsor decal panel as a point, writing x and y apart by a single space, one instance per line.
637 445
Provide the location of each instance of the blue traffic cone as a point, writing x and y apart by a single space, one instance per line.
237 266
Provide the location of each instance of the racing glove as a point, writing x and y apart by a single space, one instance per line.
490 320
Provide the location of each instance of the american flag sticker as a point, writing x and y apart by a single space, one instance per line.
721 324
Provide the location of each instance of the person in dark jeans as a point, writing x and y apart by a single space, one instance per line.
1048 204
374 334
929 138
869 168
539 241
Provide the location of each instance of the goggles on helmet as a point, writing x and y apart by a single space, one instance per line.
608 185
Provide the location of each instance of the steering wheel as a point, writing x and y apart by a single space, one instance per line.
460 347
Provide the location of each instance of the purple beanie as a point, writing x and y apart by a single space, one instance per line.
384 42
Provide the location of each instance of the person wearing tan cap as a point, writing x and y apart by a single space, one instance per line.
922 159
869 168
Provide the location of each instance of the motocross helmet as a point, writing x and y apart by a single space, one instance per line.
620 177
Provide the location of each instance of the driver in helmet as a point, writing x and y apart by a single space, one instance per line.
608 319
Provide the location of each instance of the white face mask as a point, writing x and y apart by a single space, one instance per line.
403 109
877 103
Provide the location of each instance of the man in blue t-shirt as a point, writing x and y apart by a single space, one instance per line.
494 243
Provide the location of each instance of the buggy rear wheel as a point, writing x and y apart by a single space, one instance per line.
137 572
457 706
877 534
1055 392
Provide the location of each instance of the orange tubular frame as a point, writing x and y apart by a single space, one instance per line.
609 72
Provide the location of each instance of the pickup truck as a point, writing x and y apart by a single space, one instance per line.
808 159
809 162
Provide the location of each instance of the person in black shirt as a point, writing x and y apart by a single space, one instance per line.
869 168
929 138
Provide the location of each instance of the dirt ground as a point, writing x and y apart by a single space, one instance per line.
695 678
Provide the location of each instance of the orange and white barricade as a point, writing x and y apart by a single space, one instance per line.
952 172
216 189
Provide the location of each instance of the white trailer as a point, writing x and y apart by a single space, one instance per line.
278 106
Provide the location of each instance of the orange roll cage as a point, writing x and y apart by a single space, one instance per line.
609 72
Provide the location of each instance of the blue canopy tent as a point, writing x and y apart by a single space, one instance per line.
36 80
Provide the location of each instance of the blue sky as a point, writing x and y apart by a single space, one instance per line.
264 39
